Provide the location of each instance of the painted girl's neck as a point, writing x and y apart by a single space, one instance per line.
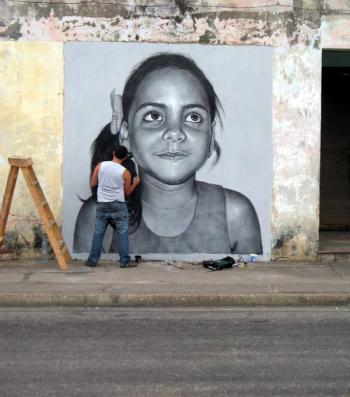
161 195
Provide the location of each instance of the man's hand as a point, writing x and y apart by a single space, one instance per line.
94 176
136 181
129 186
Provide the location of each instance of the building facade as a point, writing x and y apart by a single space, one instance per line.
40 41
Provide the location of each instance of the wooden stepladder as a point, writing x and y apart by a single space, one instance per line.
48 221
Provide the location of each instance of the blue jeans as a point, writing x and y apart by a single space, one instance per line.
116 212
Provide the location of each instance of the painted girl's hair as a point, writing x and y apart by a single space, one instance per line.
168 60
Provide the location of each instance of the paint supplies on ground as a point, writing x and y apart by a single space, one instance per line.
220 264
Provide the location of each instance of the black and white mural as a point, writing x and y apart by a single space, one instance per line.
197 123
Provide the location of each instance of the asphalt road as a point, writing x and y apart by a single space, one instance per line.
175 352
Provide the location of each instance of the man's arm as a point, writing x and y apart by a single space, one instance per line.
130 186
94 177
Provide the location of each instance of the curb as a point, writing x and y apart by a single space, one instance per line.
174 300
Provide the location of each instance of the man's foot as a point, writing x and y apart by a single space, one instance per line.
90 264
130 264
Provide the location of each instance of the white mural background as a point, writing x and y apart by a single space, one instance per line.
242 79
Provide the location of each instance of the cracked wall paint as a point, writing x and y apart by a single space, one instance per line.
241 31
296 137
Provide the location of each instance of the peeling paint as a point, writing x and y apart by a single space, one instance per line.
14 30
284 238
207 37
221 27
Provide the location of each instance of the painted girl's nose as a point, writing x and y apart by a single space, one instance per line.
174 135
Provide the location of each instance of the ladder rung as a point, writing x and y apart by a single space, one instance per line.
18 161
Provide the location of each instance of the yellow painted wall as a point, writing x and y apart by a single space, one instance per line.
31 122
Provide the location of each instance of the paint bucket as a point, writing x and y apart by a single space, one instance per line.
253 258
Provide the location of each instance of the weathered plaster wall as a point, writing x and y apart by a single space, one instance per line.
31 122
297 31
336 32
296 137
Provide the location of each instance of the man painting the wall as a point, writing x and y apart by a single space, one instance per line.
113 183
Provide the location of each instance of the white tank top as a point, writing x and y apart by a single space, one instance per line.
110 182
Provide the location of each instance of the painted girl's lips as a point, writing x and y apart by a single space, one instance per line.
172 155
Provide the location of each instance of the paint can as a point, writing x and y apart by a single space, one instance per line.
253 258
44 249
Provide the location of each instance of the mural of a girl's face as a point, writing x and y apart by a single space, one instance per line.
169 125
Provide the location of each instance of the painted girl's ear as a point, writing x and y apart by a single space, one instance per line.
124 136
212 141
117 111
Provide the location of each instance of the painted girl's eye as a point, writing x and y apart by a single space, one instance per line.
153 116
194 118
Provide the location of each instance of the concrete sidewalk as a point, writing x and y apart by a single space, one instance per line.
180 284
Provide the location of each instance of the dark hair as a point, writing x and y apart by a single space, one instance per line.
168 60
119 151
102 147
176 61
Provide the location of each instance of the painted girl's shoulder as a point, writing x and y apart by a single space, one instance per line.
84 226
242 223
88 209
237 202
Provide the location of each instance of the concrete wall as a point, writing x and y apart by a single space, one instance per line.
31 124
298 31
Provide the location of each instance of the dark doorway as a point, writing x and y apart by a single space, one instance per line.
335 153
